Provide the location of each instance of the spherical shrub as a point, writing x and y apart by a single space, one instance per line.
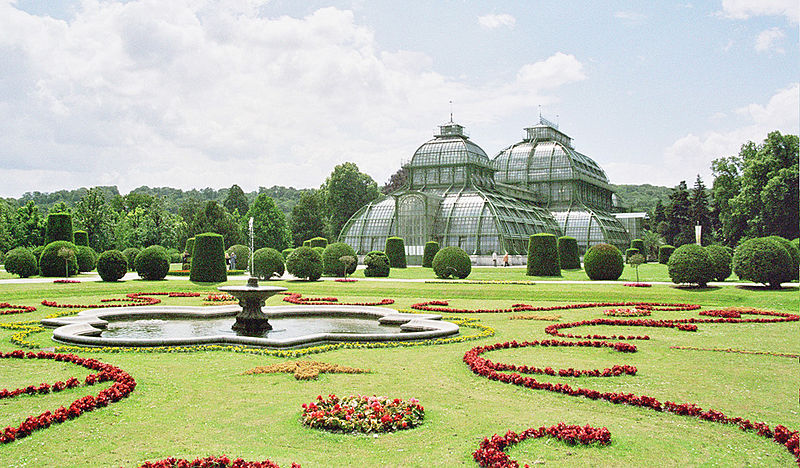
305 262
152 263
267 262
208 262
377 265
81 238
318 242
721 262
430 251
543 255
664 253
794 254
130 254
639 244
242 256
451 261
396 251
764 261
20 261
603 262
286 253
331 263
631 252
690 263
568 253
59 258
112 265
59 227
87 258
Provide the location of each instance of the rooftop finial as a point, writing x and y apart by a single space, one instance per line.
540 111
451 111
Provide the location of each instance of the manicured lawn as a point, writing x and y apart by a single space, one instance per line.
200 403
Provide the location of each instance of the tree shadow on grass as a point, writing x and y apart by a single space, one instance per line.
694 288
764 288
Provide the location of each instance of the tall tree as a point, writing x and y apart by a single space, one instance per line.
8 218
31 226
678 230
236 201
210 217
269 224
94 215
726 185
344 192
307 219
700 213
149 223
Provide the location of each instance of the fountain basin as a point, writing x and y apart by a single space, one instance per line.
86 328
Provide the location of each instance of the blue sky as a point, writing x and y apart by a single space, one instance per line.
197 93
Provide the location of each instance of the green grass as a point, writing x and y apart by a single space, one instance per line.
197 404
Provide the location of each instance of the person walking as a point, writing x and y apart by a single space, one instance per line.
494 258
505 260
233 260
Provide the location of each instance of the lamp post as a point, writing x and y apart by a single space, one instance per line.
250 223
698 234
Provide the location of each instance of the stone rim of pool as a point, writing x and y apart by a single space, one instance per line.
86 327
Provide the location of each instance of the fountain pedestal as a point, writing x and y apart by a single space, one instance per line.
251 321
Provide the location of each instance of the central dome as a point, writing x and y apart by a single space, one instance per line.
450 147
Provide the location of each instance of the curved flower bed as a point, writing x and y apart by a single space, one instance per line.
211 462
8 309
361 413
627 312
346 280
297 298
132 299
638 285
443 306
66 281
491 451
123 385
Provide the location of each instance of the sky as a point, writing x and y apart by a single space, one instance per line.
201 93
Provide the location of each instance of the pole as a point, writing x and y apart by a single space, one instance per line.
251 246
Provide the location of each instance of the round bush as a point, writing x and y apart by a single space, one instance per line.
721 262
794 254
451 261
87 258
318 242
152 263
267 262
242 256
20 261
331 265
51 263
631 252
639 244
112 265
543 255
377 265
59 228
208 262
430 251
305 262
690 263
568 253
319 250
286 253
603 262
130 254
396 251
664 253
81 238
764 261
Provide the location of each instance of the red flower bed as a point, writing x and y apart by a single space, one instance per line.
360 413
638 285
132 299
627 312
211 462
219 298
491 451
346 280
67 281
123 385
296 298
8 309
441 306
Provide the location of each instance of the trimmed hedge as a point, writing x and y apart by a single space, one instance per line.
639 244
331 265
208 262
764 261
664 252
793 253
721 262
87 258
268 262
242 256
189 246
543 255
430 251
152 263
50 264
81 238
286 253
690 263
305 262
37 253
631 252
112 265
21 262
318 242
568 253
319 250
130 254
59 228
603 262
451 261
377 265
396 251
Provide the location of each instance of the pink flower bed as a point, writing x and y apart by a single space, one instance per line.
211 462
296 298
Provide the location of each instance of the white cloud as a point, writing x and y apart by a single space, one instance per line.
767 39
195 93
743 9
493 21
630 16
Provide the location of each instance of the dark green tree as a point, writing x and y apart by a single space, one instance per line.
700 213
30 228
307 219
343 193
269 224
210 216
94 215
236 201
726 185
679 229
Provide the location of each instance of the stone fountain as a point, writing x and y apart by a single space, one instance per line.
251 320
